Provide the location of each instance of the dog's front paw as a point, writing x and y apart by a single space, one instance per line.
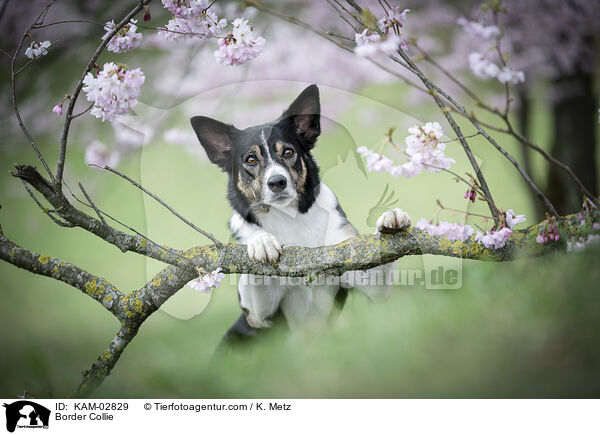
263 246
392 221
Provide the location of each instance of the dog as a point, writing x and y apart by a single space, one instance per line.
278 199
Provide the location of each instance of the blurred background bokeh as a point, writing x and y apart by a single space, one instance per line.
528 328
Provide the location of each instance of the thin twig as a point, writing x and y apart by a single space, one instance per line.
84 112
100 214
89 200
67 22
40 19
45 210
164 204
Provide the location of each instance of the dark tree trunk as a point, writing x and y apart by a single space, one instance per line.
574 114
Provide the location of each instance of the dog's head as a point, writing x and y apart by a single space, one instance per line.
269 165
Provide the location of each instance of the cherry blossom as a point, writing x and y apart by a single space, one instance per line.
513 219
478 29
240 45
482 67
451 230
507 75
394 22
57 109
125 39
114 91
36 50
370 44
393 19
205 282
494 239
423 149
191 19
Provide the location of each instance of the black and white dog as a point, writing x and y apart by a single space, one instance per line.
278 200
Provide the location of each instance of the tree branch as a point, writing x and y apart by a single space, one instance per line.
93 377
160 201
97 288
63 208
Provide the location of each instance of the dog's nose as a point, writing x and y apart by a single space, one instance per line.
277 183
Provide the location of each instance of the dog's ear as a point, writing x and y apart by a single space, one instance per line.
216 138
304 115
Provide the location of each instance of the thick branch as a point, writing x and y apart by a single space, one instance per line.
97 288
358 253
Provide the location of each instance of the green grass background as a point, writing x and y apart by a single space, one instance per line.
528 328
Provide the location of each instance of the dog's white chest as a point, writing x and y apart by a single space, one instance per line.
321 225
297 229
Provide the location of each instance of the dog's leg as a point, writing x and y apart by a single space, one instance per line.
260 297
262 246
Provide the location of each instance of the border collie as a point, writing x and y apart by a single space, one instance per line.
278 200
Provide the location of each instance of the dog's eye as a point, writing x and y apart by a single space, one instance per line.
251 160
288 152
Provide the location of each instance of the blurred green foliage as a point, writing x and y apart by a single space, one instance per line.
523 329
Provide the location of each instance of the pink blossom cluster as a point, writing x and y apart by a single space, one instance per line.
479 30
451 230
393 20
114 90
455 231
205 282
424 149
191 19
36 49
481 65
125 39
484 68
549 233
494 239
240 45
370 44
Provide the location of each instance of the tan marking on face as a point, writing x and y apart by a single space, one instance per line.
280 146
299 178
251 189
246 188
301 182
